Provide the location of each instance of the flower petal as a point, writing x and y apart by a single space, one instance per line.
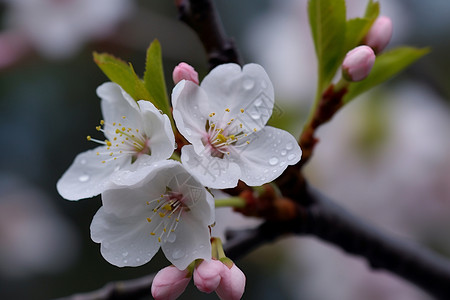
157 127
192 241
269 153
116 104
247 93
199 201
213 172
88 176
190 108
124 241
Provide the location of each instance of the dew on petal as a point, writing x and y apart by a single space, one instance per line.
177 254
125 254
138 259
172 237
282 163
273 161
255 115
283 152
248 84
125 261
258 102
188 131
291 156
84 178
289 146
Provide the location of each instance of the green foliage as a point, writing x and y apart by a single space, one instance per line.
386 66
123 74
328 26
152 88
154 77
334 36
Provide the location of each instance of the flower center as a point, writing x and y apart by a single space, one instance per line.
220 137
167 212
124 141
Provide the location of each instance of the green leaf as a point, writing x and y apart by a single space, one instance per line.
357 28
372 10
154 78
386 66
328 25
123 74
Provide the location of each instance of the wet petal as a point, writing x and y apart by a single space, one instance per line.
213 172
88 176
124 241
192 241
267 155
247 93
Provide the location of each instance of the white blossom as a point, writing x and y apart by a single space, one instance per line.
155 206
225 121
136 134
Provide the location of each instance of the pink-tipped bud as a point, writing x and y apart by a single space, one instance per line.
169 283
208 274
232 285
358 63
379 34
186 72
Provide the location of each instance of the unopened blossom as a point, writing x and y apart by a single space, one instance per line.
358 63
225 121
186 72
379 34
59 28
208 274
232 285
169 283
157 206
136 134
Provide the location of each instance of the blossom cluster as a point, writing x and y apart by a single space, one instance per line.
149 199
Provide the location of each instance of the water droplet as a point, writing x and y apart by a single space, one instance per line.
171 238
138 259
248 84
255 115
283 152
125 254
289 146
188 131
83 178
177 254
83 161
161 112
282 163
258 102
175 146
125 261
273 161
195 107
291 156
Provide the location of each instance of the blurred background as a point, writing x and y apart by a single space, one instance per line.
385 157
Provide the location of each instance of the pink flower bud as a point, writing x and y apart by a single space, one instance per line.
186 72
379 34
207 275
169 283
232 285
358 63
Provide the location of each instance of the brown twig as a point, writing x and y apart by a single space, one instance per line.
202 17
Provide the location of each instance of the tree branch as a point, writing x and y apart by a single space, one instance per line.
119 290
202 17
